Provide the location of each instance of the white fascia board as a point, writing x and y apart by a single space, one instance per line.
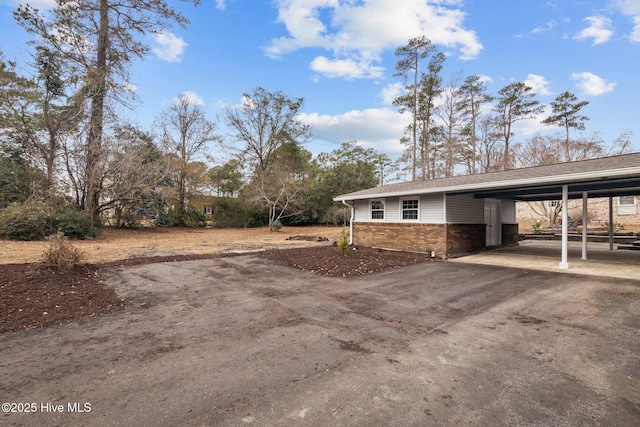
553 179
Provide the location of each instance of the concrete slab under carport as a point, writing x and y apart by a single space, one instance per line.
543 255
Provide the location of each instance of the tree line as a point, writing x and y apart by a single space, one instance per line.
67 152
457 127
64 144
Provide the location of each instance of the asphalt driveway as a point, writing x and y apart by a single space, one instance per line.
242 341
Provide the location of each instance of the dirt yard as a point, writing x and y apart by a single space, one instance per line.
36 296
118 244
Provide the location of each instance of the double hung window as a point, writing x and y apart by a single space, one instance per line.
410 209
377 209
627 205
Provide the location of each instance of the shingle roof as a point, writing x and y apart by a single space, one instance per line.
599 170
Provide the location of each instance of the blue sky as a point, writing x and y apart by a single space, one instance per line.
339 56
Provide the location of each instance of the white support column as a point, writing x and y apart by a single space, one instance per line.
585 223
565 226
611 224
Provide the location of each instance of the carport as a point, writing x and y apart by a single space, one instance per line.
461 215
606 177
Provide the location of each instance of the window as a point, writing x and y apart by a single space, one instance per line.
627 205
410 209
627 201
551 204
377 209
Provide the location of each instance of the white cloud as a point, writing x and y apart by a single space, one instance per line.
599 30
391 92
528 127
550 26
537 30
380 129
539 84
345 68
635 33
358 32
41 5
485 79
592 84
630 8
169 46
220 4
192 97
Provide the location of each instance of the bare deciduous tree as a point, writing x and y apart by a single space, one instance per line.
186 134
267 127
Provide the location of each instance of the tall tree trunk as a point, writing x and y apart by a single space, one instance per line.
98 82
415 122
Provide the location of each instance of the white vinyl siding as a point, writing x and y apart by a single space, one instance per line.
460 209
464 209
432 209
392 209
508 213
362 210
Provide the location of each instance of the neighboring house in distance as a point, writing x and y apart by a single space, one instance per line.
465 214
626 213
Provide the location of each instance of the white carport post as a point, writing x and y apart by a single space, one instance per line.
565 226
585 222
612 226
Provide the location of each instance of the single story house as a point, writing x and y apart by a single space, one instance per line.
465 214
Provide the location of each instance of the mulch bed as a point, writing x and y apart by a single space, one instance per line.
35 296
329 261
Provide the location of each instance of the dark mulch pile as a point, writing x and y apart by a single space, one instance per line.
35 296
329 261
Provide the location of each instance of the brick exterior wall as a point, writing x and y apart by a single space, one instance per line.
509 235
412 237
465 238
597 212
445 239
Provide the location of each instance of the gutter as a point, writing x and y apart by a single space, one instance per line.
566 179
350 221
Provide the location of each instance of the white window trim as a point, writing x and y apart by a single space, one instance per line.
627 204
401 210
627 209
384 210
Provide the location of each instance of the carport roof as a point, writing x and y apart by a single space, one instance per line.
603 177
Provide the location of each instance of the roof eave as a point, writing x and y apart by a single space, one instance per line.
552 179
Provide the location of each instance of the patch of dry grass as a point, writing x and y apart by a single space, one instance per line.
61 253
119 244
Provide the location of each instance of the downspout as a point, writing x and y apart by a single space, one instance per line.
350 221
